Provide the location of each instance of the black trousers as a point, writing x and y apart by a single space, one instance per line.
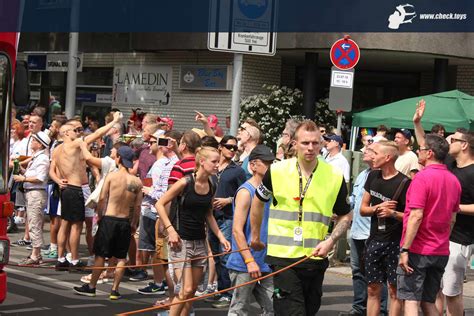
299 290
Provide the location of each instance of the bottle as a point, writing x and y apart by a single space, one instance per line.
16 166
381 224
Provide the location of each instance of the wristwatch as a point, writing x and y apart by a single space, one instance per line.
402 250
394 214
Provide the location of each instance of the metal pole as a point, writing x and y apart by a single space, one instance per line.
72 61
339 122
72 75
236 85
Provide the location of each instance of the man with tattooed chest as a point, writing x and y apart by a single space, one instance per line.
122 193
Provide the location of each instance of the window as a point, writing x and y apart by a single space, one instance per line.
5 83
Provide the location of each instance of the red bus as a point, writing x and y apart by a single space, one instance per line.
10 92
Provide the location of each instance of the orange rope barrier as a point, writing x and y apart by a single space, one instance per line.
166 306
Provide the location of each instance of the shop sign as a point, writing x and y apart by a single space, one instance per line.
205 77
142 85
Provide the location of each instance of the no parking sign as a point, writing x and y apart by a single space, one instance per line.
344 54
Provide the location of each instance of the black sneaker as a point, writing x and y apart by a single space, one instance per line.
78 267
62 266
84 290
114 295
140 275
152 288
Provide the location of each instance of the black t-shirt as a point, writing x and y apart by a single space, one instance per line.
381 190
463 230
341 207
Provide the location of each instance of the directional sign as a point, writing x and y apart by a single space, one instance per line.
243 26
341 89
345 54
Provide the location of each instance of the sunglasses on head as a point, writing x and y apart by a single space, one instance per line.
230 147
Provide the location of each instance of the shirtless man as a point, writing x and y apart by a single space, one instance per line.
89 139
122 194
68 170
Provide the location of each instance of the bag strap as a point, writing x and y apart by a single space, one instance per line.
399 189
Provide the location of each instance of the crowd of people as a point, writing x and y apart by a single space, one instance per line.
149 194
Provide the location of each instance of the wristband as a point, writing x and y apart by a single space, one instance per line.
402 250
247 261
166 228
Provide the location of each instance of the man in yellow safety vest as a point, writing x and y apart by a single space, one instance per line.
306 191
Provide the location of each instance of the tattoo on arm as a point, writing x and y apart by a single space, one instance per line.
340 228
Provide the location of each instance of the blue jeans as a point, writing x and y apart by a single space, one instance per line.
359 281
223 279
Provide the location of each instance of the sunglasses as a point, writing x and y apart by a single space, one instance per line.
78 130
453 140
230 147
322 131
370 141
423 148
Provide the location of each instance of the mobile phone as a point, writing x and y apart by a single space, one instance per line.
163 141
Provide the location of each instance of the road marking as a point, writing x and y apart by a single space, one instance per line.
84 305
50 280
24 310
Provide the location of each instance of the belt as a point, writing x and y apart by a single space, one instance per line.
34 189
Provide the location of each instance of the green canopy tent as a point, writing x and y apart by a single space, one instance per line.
453 109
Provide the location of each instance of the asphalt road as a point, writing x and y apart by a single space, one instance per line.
43 291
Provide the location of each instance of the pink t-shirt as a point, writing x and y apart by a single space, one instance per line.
437 191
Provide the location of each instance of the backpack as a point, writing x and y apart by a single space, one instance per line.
178 202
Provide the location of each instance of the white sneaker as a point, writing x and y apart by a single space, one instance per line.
211 288
69 257
19 220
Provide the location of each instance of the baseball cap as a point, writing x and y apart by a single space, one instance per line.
261 152
43 138
126 154
405 132
212 121
335 138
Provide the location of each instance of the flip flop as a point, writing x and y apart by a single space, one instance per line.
102 278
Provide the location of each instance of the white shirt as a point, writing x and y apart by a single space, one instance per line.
22 148
38 168
407 162
341 163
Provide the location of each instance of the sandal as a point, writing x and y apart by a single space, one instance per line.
162 302
30 261
102 278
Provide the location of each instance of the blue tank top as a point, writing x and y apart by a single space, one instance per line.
236 261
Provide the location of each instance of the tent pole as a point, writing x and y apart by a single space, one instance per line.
354 133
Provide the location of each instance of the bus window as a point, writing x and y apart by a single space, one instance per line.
5 84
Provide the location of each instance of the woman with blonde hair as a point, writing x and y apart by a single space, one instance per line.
187 233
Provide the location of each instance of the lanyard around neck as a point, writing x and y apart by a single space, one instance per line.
302 191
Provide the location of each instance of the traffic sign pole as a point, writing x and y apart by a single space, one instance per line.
236 86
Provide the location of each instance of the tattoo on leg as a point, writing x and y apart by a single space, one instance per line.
340 229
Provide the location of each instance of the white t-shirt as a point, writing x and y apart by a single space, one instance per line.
340 162
407 162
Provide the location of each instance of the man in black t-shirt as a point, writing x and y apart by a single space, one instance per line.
383 200
462 235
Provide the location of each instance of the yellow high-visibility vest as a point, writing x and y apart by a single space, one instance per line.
318 206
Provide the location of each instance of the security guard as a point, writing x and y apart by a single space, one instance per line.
306 192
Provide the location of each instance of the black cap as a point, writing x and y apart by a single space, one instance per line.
261 152
127 155
334 137
405 132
